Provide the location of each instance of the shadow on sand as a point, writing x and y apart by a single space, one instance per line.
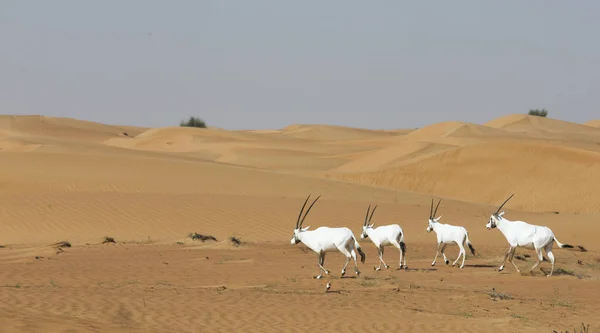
481 265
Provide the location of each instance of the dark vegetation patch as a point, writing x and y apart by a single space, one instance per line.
197 236
235 241
108 240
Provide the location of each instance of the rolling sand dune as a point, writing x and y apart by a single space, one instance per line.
61 128
394 156
545 127
79 182
593 123
332 133
453 129
546 178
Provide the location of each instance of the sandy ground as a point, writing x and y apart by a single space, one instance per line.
79 182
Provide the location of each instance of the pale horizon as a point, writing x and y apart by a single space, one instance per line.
265 65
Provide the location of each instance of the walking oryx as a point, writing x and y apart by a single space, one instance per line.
382 236
522 234
448 234
325 239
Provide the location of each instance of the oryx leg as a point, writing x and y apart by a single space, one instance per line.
540 256
508 252
461 251
446 260
320 262
397 245
380 251
464 256
404 256
349 255
345 265
550 255
511 257
353 254
437 252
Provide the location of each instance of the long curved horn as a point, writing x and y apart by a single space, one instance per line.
366 216
502 205
308 210
372 212
431 209
301 210
436 208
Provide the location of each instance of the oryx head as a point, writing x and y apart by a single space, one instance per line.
366 223
495 217
296 239
432 219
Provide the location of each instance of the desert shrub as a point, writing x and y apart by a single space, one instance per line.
235 240
197 236
193 122
108 240
584 329
538 112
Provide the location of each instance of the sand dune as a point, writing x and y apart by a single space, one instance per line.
11 145
77 181
332 133
593 123
545 127
64 128
453 129
393 156
545 178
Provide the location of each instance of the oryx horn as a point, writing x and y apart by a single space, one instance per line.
308 210
300 214
502 205
431 209
436 207
367 217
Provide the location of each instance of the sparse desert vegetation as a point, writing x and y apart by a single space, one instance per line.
197 236
538 112
193 122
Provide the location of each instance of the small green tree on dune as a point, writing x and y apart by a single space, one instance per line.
193 122
538 112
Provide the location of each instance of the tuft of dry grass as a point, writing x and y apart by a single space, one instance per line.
197 236
62 244
496 295
108 240
583 329
59 246
236 241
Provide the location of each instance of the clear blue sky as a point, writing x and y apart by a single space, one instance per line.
268 64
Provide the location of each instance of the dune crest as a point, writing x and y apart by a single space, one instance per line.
545 127
36 126
593 123
452 129
332 133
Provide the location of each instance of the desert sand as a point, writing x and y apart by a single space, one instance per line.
75 181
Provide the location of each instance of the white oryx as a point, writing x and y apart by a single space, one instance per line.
325 239
522 234
448 234
382 236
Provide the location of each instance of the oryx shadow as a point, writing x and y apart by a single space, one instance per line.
481 265
429 269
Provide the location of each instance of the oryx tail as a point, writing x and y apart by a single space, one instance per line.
363 256
563 246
